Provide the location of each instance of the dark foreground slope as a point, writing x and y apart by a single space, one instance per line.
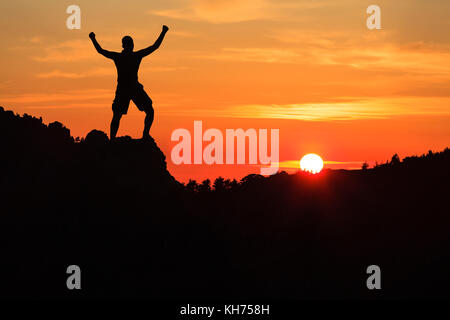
114 210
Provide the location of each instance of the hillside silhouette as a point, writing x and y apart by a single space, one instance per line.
115 210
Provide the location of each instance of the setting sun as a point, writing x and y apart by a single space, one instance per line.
311 163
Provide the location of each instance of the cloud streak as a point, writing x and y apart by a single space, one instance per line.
73 50
375 108
265 55
295 164
76 75
232 11
74 95
365 51
217 11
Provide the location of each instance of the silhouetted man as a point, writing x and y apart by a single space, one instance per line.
128 87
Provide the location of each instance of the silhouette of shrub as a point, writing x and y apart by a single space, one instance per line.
365 166
395 161
96 137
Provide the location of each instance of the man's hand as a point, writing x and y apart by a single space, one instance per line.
165 28
92 35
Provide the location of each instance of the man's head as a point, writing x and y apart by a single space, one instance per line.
127 43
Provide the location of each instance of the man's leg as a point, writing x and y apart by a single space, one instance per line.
119 108
115 125
149 115
144 103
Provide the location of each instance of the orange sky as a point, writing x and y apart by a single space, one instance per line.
309 68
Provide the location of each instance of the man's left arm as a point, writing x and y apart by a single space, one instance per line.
156 45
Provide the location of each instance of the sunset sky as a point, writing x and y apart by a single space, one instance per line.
309 68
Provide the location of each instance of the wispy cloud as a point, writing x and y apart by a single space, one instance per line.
230 11
72 50
266 55
375 108
295 164
69 96
76 75
89 105
184 34
35 40
217 11
95 72
365 51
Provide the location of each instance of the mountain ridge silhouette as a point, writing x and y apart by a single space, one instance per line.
115 210
110 164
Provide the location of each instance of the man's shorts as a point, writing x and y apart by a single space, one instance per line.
135 92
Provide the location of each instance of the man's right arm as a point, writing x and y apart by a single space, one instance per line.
103 52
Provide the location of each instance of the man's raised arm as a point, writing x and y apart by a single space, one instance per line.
103 52
153 47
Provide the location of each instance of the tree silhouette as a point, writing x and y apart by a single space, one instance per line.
192 186
205 186
365 166
395 161
219 184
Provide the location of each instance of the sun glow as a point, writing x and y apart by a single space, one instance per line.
311 163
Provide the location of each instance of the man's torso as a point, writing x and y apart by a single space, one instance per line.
127 64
